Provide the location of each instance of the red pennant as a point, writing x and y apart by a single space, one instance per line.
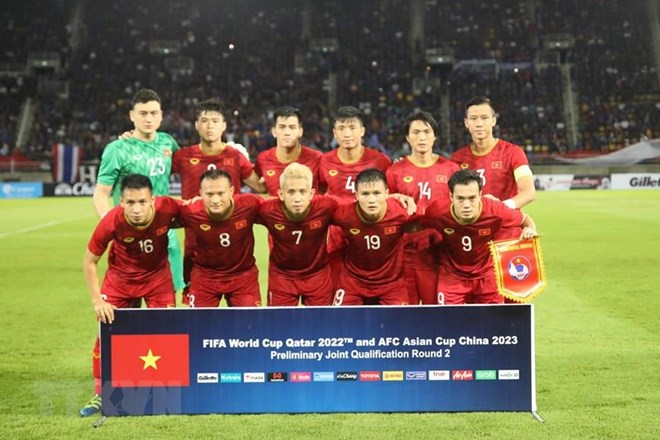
519 269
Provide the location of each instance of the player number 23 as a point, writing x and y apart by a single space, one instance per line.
156 166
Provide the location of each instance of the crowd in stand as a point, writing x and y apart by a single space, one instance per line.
257 56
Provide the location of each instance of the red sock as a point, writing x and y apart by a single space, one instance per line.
96 367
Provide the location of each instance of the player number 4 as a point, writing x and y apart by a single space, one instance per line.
350 184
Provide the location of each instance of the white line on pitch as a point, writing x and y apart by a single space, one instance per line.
37 227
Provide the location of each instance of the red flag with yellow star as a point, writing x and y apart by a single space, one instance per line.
150 360
519 269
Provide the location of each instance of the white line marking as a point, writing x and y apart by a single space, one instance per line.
41 226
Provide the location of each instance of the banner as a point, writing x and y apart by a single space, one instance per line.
21 190
319 360
636 181
519 269
66 159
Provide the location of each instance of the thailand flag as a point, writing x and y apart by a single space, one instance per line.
66 159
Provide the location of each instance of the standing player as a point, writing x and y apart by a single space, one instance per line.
298 223
422 175
373 260
137 263
503 166
468 222
211 153
288 130
148 152
224 262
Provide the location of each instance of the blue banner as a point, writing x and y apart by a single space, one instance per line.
21 190
325 359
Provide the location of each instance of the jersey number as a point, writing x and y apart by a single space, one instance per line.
373 241
482 174
298 235
146 246
467 243
224 239
156 166
350 184
424 190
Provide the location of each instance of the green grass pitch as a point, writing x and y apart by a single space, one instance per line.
597 334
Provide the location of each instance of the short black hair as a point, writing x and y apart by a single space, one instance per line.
420 116
143 96
136 181
478 100
464 177
210 105
215 174
370 175
348 112
288 112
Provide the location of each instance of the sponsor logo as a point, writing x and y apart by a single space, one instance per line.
484 232
415 375
644 181
207 377
205 227
300 376
439 375
230 377
194 161
167 153
279 226
277 376
254 377
354 231
333 173
465 166
229 161
508 374
162 230
369 376
497 165
270 173
485 374
74 189
518 268
324 376
316 224
408 179
441 178
346 375
462 375
392 375
448 231
241 224
390 230
129 240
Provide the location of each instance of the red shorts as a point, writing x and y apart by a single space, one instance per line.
240 290
350 292
314 290
453 290
422 285
158 292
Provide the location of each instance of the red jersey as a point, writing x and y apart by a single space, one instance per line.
299 248
495 168
465 252
224 247
374 255
190 163
270 168
338 178
136 255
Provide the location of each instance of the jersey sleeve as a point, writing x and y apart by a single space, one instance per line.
177 157
511 218
518 158
110 166
244 165
102 235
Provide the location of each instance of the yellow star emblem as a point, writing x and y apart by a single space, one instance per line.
150 360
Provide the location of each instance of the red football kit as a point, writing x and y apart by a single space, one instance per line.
298 265
270 168
337 178
466 272
224 258
424 184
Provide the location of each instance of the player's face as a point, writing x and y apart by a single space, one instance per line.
146 117
210 126
466 200
480 121
420 137
349 133
372 199
287 131
138 206
217 195
296 194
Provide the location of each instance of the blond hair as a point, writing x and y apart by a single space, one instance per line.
296 170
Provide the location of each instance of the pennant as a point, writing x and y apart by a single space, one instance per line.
150 360
519 269
66 159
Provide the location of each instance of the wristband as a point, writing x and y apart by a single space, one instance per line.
510 203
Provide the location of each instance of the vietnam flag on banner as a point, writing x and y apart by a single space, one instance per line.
150 360
519 270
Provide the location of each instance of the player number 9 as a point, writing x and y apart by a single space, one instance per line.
466 241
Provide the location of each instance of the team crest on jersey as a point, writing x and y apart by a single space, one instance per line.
137 157
129 240
204 227
278 226
333 173
408 179
390 230
229 161
315 224
496 165
167 153
448 231
484 232
354 231
465 166
241 224
441 178
161 230
270 173
194 161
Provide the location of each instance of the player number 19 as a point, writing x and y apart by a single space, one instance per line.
373 241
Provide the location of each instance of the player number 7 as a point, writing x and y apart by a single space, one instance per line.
298 235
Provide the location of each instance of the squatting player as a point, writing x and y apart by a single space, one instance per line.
224 263
147 152
137 262
422 175
468 222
